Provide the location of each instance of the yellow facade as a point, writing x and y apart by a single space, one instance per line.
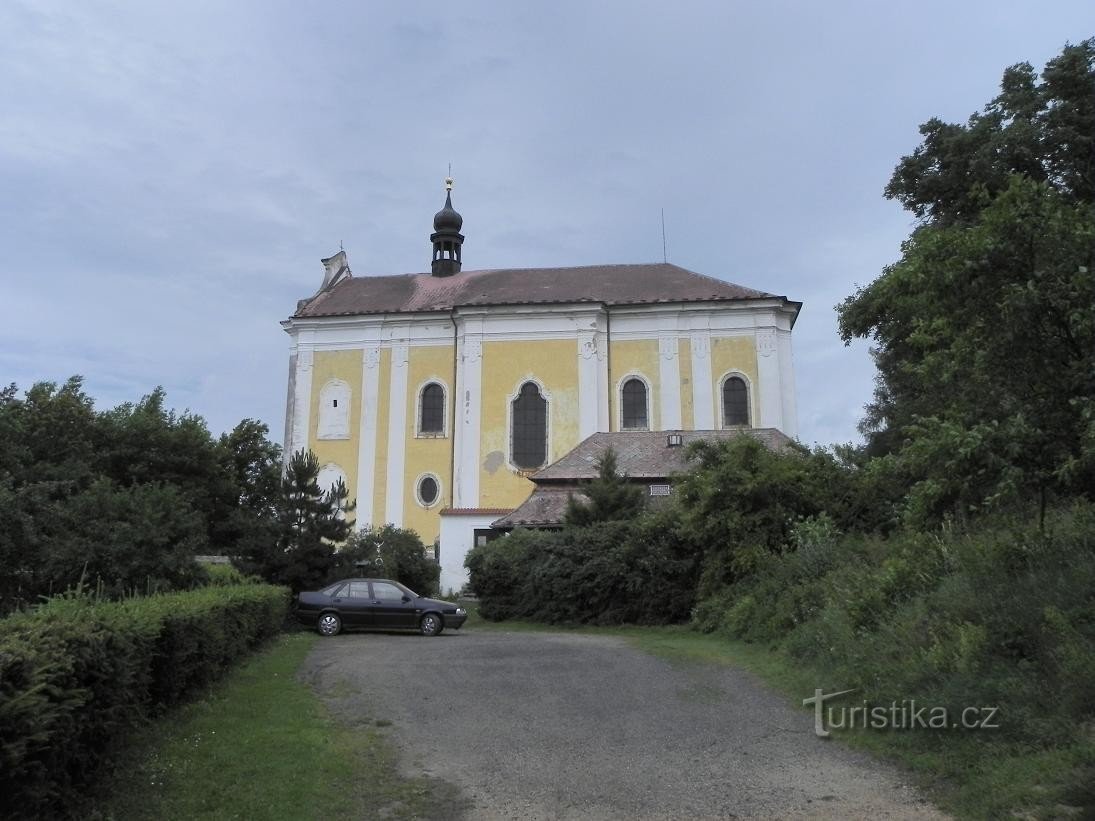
734 353
633 356
553 363
506 365
431 453
346 366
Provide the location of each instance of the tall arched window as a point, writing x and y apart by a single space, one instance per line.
634 414
431 414
529 445
735 402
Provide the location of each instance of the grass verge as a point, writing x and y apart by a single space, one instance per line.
966 774
260 744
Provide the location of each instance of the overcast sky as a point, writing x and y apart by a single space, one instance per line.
171 174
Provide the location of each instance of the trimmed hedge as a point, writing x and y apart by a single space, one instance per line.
76 675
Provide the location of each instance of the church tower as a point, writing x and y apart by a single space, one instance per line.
446 237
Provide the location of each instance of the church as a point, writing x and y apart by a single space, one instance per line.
436 396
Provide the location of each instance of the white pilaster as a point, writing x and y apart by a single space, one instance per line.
603 388
366 443
468 414
397 433
787 383
669 375
770 392
589 397
302 401
703 400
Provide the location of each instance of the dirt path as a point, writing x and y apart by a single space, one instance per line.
560 726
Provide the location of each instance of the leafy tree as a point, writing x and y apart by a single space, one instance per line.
245 503
984 331
741 501
610 497
128 495
389 552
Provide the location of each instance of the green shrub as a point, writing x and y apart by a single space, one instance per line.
636 572
226 575
388 552
77 674
1000 615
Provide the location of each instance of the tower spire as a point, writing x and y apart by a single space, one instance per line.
446 237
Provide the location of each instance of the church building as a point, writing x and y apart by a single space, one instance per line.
435 395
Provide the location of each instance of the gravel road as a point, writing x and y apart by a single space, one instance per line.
561 726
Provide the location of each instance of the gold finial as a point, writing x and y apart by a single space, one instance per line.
448 183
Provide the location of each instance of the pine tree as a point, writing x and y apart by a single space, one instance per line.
611 497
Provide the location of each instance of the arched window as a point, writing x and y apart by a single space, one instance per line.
735 402
431 414
529 444
634 415
334 411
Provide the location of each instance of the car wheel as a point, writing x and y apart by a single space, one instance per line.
431 625
329 624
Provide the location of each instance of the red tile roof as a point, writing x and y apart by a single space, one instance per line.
610 284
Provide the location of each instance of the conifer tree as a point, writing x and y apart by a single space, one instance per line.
611 497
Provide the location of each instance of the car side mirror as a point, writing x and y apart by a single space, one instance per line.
406 598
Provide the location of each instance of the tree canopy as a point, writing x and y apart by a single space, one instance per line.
984 330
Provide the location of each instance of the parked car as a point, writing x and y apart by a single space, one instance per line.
379 604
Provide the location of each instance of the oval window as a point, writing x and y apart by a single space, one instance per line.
427 490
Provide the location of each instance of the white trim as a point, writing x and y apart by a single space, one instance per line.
397 435
302 405
469 398
548 450
367 438
444 432
787 384
669 381
750 400
620 400
769 377
417 489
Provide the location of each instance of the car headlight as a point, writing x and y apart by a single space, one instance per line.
460 611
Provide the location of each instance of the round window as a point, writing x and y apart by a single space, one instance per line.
427 490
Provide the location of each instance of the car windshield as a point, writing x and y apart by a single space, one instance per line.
406 590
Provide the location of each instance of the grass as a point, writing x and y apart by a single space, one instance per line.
262 745
966 774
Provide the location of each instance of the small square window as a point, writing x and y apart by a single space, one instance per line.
334 403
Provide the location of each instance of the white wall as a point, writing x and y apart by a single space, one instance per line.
457 538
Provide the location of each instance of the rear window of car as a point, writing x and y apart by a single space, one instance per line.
332 590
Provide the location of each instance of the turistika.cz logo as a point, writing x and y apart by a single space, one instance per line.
898 715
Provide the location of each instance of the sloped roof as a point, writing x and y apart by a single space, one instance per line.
610 284
645 454
545 507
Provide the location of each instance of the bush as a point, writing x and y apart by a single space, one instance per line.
77 674
388 552
636 572
999 615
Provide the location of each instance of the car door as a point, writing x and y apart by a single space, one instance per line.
355 604
388 607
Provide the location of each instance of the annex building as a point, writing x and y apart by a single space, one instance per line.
436 395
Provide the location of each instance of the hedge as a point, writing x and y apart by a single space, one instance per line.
633 572
76 675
